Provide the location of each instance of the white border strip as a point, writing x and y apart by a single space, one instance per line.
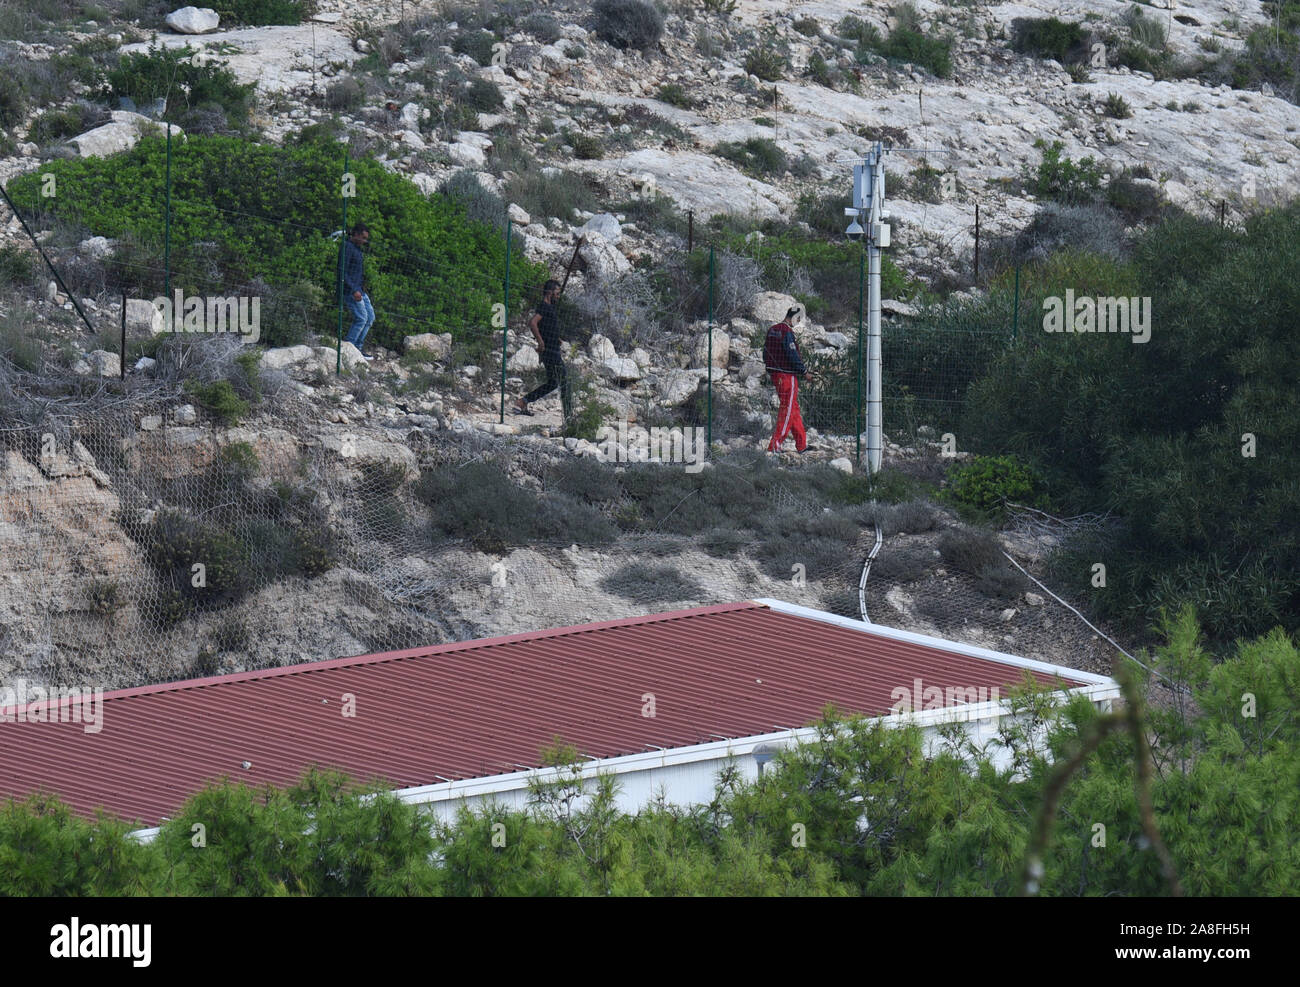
970 650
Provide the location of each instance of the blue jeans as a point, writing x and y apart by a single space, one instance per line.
363 317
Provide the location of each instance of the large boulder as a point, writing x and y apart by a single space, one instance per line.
192 20
143 318
769 307
607 225
437 344
721 349
466 155
122 133
281 357
524 358
676 386
601 259
601 348
621 370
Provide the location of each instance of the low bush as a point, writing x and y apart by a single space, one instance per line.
173 75
261 13
643 582
57 125
766 63
219 397
544 27
477 44
1049 37
628 24
586 147
245 211
988 482
1064 180
760 156
674 95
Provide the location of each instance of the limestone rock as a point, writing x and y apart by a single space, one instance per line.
438 344
769 307
192 20
721 349
607 225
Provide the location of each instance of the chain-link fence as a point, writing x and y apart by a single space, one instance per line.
205 235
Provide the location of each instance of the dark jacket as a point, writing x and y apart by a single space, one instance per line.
549 327
780 352
353 267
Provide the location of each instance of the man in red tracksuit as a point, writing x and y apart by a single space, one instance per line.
781 357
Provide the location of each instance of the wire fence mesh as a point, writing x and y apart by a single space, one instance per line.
219 232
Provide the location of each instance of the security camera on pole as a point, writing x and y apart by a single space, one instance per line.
869 201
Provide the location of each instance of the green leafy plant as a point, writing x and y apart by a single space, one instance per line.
988 482
767 64
1063 179
172 74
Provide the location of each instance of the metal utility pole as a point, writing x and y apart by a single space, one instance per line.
869 201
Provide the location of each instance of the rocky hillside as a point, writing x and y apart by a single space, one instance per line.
756 113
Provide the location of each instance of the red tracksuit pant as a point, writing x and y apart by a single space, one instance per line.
788 419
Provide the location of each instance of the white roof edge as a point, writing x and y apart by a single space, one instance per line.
970 650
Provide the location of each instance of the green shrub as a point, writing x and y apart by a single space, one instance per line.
1197 515
675 95
1062 179
820 72
809 27
18 342
544 27
766 63
1048 37
220 398
259 13
586 147
484 95
17 266
628 24
344 94
933 54
174 75
243 211
476 44
1117 106
589 412
557 195
855 28
760 156
988 482
57 125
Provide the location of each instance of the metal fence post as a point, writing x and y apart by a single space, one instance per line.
1015 311
167 226
709 432
858 423
343 240
505 322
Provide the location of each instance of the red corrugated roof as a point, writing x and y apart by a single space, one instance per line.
478 708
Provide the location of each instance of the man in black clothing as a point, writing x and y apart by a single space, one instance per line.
545 325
